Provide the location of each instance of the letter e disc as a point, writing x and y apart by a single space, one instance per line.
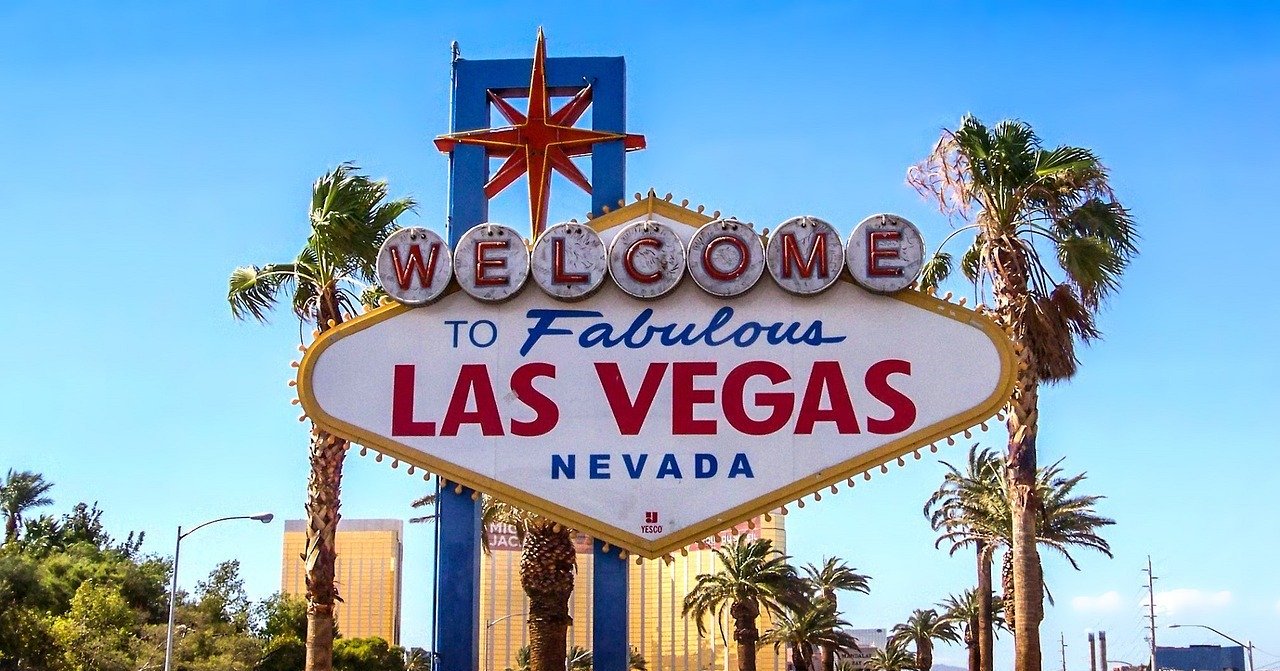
726 257
491 262
414 266
569 261
805 255
885 253
646 259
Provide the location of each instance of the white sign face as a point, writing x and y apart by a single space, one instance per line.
651 424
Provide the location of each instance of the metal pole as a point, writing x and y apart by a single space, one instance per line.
1093 653
1250 649
1102 651
173 592
1151 604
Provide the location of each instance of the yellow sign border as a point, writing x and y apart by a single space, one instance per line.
698 531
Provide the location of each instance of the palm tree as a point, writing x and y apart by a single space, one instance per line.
581 659
962 610
969 509
21 491
834 576
894 656
348 220
923 627
1034 212
805 630
753 578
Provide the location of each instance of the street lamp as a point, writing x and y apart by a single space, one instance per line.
488 634
1247 646
173 585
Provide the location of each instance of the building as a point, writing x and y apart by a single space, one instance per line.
657 589
1201 658
367 573
869 641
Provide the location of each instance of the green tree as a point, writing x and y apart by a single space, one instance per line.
923 628
894 656
221 596
99 631
802 632
835 576
367 654
753 578
963 610
969 510
282 615
417 659
21 492
1053 243
348 222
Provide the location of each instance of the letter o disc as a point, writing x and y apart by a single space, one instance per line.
805 255
725 257
569 261
646 259
885 253
414 266
491 262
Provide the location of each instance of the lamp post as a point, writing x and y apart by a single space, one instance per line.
1247 646
488 635
173 584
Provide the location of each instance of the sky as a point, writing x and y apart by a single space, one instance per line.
154 147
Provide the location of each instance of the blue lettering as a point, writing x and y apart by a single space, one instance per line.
543 325
740 466
599 466
704 465
559 465
634 469
669 467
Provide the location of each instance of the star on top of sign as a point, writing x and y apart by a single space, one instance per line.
538 141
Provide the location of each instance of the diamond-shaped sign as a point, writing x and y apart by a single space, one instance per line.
654 423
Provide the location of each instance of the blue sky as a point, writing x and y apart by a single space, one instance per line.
155 146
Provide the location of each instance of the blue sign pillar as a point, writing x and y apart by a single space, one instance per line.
457 608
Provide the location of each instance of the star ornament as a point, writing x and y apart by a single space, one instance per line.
538 142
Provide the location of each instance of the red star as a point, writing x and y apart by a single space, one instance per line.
538 142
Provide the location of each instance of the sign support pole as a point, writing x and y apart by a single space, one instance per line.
457 620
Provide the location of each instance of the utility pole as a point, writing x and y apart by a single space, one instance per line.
1102 651
1093 653
1151 608
1062 638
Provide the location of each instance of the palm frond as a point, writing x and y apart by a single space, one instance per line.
253 291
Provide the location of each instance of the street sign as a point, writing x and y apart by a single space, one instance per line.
653 423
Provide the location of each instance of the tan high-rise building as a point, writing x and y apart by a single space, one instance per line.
368 575
656 594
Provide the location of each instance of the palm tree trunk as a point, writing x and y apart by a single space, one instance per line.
323 500
798 660
547 562
745 633
984 630
828 654
924 654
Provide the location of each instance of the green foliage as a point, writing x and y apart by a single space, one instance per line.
282 615
285 653
98 632
752 574
20 492
367 654
803 631
222 597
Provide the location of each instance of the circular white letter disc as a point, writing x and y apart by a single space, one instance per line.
569 260
885 253
491 262
805 255
726 257
414 266
646 259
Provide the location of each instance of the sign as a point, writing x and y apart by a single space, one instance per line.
651 424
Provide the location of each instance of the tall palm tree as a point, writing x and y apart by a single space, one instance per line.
753 578
349 219
832 577
962 610
894 656
923 628
968 510
21 492
1053 242
804 631
548 561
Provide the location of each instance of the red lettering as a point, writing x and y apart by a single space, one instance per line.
629 415
781 403
473 381
684 396
483 263
817 256
710 266
425 270
628 261
558 275
402 421
546 413
875 252
826 375
904 409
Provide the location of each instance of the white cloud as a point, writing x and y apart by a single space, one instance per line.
1278 606
1179 601
1107 602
